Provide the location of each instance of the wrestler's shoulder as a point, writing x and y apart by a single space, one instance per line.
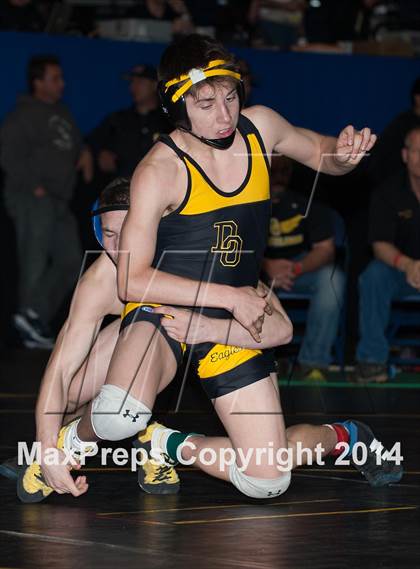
260 114
160 166
160 156
160 151
256 111
269 123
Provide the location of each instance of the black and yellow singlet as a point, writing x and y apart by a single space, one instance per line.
217 236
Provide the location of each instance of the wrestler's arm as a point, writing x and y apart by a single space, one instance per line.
95 296
152 196
330 155
195 328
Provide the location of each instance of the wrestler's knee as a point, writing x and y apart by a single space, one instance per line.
260 488
116 415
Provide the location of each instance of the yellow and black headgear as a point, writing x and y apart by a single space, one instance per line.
172 95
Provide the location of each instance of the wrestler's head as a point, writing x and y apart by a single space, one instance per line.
201 89
108 215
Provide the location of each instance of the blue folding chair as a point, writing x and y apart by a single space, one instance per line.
298 314
404 328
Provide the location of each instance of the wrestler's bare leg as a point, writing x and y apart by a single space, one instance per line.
142 364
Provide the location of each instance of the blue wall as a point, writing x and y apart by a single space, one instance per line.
322 92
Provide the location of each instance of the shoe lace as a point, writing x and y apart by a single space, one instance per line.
39 476
163 472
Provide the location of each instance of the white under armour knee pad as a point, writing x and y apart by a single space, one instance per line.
259 487
116 415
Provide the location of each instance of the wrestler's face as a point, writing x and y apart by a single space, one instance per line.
411 154
214 110
111 222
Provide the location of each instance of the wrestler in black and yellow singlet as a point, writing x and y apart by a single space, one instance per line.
217 237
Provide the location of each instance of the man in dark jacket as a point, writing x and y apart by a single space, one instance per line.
41 151
124 137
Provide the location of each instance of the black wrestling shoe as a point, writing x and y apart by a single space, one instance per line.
378 468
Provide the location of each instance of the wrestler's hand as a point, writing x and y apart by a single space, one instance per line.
248 306
353 144
185 325
58 477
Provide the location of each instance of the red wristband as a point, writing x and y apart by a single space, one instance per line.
396 260
297 269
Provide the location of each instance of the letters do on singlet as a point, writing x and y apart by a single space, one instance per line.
216 236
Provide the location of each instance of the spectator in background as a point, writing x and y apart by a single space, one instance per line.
278 22
409 12
159 9
395 272
331 21
300 258
205 15
386 157
233 25
124 137
367 8
225 19
20 15
41 151
175 11
247 78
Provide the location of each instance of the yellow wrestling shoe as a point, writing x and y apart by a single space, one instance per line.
31 486
155 476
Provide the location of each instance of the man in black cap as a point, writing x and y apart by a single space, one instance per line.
386 159
124 137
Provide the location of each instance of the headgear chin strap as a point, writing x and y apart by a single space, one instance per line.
219 143
172 97
96 212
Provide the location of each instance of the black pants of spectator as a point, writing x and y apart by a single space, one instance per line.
48 250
